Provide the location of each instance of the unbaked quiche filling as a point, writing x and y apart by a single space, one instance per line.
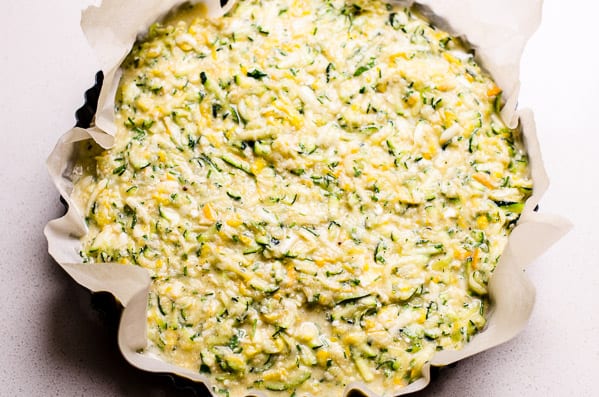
319 189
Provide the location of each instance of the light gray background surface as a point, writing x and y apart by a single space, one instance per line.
54 344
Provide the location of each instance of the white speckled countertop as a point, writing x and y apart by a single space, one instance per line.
55 344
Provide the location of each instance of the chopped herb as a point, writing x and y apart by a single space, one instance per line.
256 74
120 170
216 107
234 196
311 231
395 22
330 68
364 68
378 253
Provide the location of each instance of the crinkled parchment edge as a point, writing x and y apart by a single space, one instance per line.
497 31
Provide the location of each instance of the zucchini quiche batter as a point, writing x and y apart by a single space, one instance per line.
319 189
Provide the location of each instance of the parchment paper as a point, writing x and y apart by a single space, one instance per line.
496 29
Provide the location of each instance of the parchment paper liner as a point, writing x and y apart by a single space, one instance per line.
497 32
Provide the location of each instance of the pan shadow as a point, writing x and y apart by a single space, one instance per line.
82 343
